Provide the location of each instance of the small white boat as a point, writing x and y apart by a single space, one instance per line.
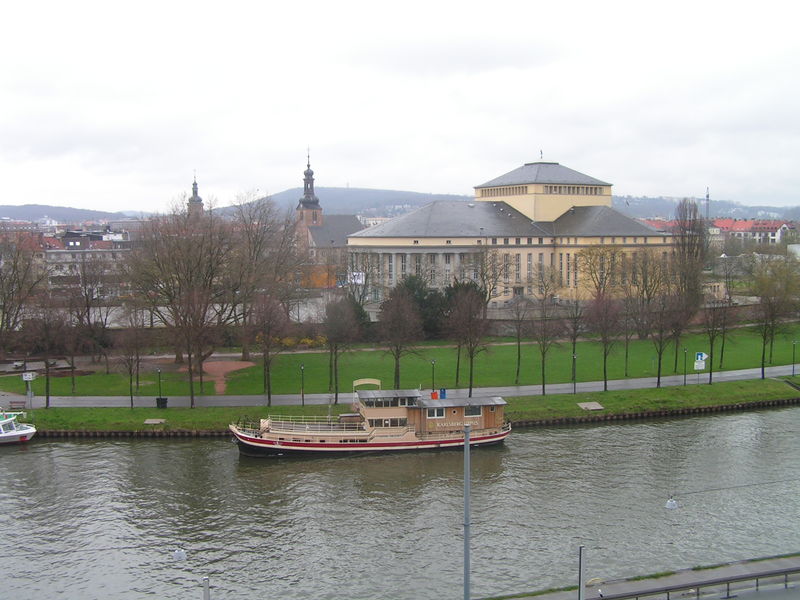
12 432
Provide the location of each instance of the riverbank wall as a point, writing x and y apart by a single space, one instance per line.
558 421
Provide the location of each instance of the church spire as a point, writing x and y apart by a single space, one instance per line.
195 205
309 199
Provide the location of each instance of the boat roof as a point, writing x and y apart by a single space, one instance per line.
446 402
388 394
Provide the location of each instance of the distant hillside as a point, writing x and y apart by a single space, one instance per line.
61 214
645 207
390 203
377 203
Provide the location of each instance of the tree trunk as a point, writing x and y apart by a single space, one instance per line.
543 364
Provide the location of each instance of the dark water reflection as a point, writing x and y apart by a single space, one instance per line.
100 519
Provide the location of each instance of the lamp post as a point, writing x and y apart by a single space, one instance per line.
433 374
466 511
794 346
684 366
302 384
574 385
159 383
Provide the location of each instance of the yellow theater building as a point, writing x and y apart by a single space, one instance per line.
539 215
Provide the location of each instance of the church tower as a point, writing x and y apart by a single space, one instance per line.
309 212
195 204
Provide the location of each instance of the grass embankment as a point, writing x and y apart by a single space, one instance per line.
494 367
522 409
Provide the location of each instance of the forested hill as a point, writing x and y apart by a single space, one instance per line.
60 214
351 201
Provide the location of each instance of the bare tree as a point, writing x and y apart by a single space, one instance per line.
467 321
520 311
264 260
270 321
644 280
575 325
181 264
775 284
21 278
44 333
600 267
604 316
399 326
89 304
546 327
664 309
689 238
342 328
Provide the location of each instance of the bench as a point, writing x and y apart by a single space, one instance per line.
17 404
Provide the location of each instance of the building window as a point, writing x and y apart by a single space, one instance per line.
541 241
473 411
448 242
505 241
494 241
436 413
416 241
518 241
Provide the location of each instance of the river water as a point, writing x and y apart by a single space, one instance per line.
101 519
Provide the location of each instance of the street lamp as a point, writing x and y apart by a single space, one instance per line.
433 374
684 366
302 384
159 383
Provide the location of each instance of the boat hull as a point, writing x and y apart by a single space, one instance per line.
17 437
258 447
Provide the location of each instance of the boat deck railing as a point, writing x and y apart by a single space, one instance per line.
301 424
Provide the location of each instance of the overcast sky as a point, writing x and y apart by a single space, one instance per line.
115 106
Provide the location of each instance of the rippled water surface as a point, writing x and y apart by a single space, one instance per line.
100 519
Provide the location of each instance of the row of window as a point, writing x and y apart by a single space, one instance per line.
469 411
581 190
569 240
509 190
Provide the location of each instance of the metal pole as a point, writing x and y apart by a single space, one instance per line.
433 375
466 510
684 366
159 383
581 574
302 384
794 346
206 590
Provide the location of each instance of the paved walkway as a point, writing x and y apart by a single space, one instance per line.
708 579
345 395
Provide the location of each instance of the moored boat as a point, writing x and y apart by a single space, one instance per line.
12 432
383 420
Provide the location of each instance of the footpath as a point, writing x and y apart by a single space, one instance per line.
777 576
345 395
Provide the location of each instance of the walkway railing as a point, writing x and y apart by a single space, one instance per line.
719 585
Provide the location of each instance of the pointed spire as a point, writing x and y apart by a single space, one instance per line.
309 199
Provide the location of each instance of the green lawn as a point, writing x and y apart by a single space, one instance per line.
519 409
494 367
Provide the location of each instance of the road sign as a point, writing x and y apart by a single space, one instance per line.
29 376
700 356
699 365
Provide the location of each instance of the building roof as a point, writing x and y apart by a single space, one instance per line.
598 221
448 402
333 231
497 219
458 219
542 172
